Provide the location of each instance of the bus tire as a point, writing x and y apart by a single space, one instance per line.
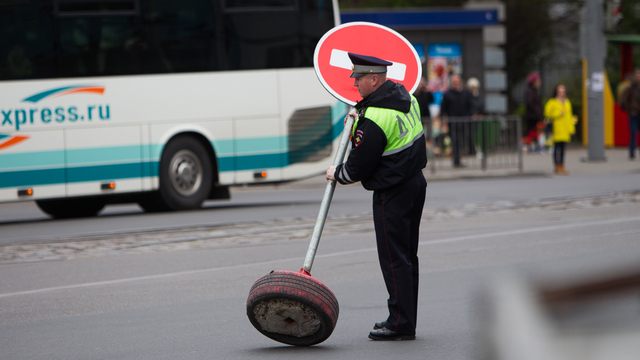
71 208
186 176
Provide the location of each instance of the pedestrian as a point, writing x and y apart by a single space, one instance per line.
533 104
631 104
424 97
477 110
457 106
387 156
559 110
477 105
623 86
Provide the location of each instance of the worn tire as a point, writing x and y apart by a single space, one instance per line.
71 208
185 174
292 308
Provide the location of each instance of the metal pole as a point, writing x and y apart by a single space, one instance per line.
517 144
432 147
326 199
484 124
596 51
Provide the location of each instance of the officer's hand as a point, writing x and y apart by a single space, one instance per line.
330 172
353 115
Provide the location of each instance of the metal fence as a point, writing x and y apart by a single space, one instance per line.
486 142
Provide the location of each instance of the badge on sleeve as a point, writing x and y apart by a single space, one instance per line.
358 137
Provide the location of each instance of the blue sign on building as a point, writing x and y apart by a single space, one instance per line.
426 18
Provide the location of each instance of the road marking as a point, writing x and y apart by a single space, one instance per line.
336 254
340 59
531 230
142 278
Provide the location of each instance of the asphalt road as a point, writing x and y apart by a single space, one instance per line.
22 222
183 296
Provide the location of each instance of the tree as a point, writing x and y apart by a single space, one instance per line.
528 28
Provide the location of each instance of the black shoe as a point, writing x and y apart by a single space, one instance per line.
379 325
386 334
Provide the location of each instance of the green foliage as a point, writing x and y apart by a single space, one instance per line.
630 23
528 32
520 110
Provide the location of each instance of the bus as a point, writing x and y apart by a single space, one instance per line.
162 103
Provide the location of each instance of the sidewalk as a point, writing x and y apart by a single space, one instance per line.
617 162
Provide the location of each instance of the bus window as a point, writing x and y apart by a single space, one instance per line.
230 4
261 39
180 36
315 16
26 40
281 34
99 45
96 7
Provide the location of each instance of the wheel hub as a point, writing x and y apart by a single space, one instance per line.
186 172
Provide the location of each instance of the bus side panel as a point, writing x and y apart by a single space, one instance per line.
32 160
301 89
105 154
259 147
148 166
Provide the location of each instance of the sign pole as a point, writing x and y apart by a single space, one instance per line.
596 50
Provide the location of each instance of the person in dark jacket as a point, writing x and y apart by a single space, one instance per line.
457 103
387 156
533 104
631 104
477 108
424 97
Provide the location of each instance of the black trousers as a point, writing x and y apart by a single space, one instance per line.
558 152
456 132
396 215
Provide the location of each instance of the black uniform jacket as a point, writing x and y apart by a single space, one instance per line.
366 163
457 103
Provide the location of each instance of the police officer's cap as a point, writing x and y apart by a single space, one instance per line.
363 65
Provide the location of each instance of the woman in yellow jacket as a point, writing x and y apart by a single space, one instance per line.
558 109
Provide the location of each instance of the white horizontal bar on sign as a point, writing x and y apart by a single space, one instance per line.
340 59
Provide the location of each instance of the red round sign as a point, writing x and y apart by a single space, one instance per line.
333 67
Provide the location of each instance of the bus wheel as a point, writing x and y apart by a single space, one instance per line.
71 208
186 176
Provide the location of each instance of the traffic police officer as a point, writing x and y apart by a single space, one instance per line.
387 156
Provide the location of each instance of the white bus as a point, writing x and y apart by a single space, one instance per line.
165 103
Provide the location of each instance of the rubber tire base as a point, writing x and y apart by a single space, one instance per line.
281 284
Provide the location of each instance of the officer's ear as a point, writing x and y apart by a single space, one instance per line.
375 79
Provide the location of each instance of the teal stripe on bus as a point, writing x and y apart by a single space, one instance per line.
78 174
263 161
104 172
31 178
106 154
22 178
53 158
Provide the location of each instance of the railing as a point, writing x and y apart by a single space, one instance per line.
482 142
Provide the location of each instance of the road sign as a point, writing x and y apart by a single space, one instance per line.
333 66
